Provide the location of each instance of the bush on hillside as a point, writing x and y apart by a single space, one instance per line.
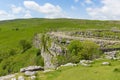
14 63
116 70
8 53
90 50
12 52
82 50
25 45
61 59
74 49
39 58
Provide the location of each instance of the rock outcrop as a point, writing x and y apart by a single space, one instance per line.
29 73
54 44
7 77
69 64
31 68
110 55
50 49
105 63
86 62
21 78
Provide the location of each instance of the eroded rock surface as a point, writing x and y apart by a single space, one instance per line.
31 68
105 63
7 77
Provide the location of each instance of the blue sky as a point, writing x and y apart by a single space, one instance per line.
80 9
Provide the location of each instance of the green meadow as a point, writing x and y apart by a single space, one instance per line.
12 58
95 72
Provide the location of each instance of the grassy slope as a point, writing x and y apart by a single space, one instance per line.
96 72
27 28
9 38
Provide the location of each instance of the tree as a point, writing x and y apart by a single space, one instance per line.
82 50
90 50
74 48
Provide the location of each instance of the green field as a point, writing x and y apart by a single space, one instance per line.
11 32
96 72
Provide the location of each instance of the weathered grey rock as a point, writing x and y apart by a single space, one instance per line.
86 62
7 77
29 73
110 55
67 42
21 78
49 55
87 65
36 41
31 68
69 64
50 60
49 70
55 48
33 77
13 79
105 63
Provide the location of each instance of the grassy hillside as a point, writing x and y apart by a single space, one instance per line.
11 32
95 72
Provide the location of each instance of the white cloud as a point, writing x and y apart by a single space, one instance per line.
73 8
31 5
3 13
76 1
88 1
109 10
16 10
27 14
50 11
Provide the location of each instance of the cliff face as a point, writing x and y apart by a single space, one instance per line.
54 44
50 49
48 63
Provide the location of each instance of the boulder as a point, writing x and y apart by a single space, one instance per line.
7 77
13 79
105 63
110 55
29 73
86 62
87 65
32 77
31 68
49 70
69 64
21 78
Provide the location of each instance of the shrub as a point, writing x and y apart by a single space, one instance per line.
61 59
74 49
116 70
82 50
39 58
25 45
90 50
12 52
44 40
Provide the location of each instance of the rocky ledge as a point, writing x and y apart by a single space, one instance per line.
31 68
